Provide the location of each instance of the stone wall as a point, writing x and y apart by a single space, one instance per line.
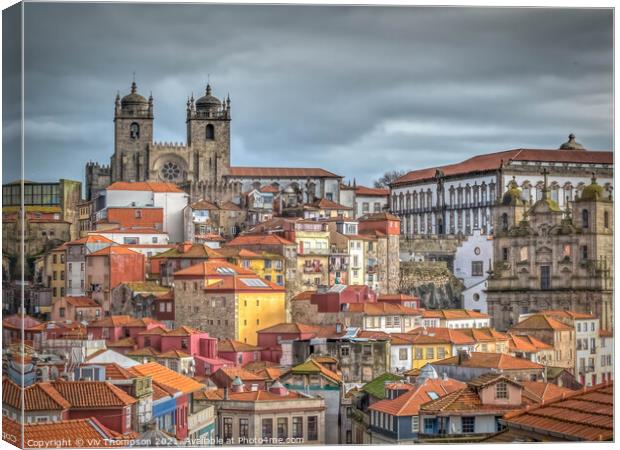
433 282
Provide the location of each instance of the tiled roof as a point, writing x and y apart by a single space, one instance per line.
290 328
91 239
256 366
234 372
155 331
82 302
463 400
111 321
229 206
38 397
279 172
268 373
133 230
430 335
540 392
490 361
541 322
230 345
114 250
605 333
145 286
382 308
312 366
526 344
484 334
145 351
304 295
454 314
167 378
371 192
408 404
76 433
324 203
396 298
585 415
124 342
488 379
115 372
567 314
152 186
92 394
376 387
260 239
183 330
143 322
174 354
203 204
206 268
492 161
382 216
269 189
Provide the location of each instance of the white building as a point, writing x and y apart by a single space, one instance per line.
370 200
472 261
149 194
135 236
455 318
458 198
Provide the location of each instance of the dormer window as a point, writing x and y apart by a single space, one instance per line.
501 390
134 131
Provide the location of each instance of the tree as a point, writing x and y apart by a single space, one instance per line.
389 177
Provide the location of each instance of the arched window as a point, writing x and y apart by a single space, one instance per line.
585 218
134 131
210 132
504 221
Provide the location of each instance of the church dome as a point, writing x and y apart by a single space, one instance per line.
133 99
208 102
592 192
512 196
571 144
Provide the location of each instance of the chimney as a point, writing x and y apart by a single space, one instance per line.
278 388
237 385
338 327
225 393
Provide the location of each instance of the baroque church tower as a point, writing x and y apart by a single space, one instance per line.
199 166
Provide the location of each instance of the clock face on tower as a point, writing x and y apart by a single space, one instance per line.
170 171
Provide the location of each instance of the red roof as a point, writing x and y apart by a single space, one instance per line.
132 230
541 322
144 186
260 239
92 394
371 192
74 433
279 172
585 415
82 302
408 404
114 250
91 239
492 161
490 361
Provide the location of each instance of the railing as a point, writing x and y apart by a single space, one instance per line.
199 419
313 269
314 251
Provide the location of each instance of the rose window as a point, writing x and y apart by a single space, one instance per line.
170 171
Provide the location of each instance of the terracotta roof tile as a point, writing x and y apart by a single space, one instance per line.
82 302
454 314
408 404
167 378
260 239
371 192
232 372
324 203
230 345
114 250
110 321
278 172
151 186
539 392
183 330
490 361
92 394
383 308
492 161
81 432
38 397
541 322
312 366
526 344
252 396
585 415
463 400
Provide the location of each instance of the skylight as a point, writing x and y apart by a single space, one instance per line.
433 395
253 282
225 271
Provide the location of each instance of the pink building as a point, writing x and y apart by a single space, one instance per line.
238 352
334 298
76 308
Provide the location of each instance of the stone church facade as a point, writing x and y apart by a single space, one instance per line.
549 258
201 165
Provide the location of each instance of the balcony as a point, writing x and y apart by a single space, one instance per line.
313 251
200 419
311 269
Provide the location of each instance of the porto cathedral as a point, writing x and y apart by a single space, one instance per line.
201 166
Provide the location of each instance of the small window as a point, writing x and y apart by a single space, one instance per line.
134 131
501 390
585 218
138 214
477 269
467 424
584 252
606 219
505 254
210 132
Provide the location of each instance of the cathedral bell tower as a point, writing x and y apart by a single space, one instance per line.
208 135
133 133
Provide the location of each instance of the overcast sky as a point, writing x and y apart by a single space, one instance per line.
355 90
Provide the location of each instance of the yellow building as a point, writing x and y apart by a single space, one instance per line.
312 239
428 348
267 265
226 300
54 271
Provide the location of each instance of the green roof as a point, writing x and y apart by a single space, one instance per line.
376 387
